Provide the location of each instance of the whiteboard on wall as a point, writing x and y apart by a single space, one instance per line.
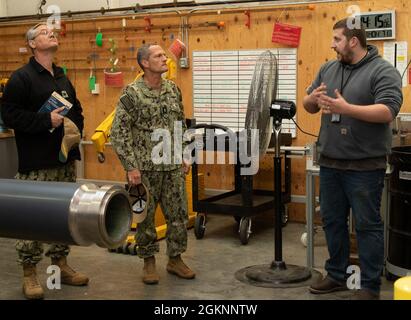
222 80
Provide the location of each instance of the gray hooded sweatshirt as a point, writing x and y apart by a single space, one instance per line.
372 80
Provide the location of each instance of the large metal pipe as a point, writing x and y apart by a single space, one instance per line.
61 212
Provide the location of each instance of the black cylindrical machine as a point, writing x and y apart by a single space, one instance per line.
60 212
399 229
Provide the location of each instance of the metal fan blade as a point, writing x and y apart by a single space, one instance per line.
263 91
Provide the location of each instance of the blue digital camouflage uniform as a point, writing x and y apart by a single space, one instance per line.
32 251
140 111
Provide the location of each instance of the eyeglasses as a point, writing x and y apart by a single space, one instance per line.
45 32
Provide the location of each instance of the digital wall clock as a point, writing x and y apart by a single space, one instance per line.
379 25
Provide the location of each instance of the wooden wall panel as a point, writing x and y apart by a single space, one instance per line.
77 46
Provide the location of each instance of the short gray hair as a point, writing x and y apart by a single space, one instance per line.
143 53
32 33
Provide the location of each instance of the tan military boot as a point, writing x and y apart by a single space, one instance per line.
150 275
179 268
68 275
31 285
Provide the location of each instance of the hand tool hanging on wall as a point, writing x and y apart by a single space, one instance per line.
99 38
93 85
124 28
63 29
92 81
248 19
149 25
184 62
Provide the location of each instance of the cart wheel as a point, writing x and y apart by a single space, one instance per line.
101 157
284 215
390 277
245 230
237 219
199 225
304 239
132 249
125 248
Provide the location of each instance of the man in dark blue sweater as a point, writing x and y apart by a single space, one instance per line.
38 145
359 94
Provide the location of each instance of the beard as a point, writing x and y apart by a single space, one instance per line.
345 56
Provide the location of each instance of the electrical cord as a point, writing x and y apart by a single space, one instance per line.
310 134
290 117
405 70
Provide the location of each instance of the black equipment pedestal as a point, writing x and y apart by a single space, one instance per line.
278 273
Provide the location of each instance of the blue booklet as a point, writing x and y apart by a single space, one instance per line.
54 102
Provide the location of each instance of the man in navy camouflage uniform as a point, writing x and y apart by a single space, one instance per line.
147 104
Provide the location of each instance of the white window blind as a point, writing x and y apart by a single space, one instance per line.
222 80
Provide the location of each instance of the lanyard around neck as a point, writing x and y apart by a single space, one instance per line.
344 84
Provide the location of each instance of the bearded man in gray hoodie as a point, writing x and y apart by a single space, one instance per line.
358 94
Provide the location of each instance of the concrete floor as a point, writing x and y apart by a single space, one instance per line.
215 259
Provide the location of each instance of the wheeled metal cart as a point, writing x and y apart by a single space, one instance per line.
243 202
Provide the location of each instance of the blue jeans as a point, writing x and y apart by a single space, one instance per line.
361 191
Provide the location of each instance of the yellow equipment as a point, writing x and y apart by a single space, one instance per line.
3 82
402 288
102 133
130 246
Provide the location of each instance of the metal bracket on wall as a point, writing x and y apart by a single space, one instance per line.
184 63
248 19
